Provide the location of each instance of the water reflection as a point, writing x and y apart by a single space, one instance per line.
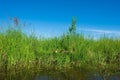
76 76
56 75
105 78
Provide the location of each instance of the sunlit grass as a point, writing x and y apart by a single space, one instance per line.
17 50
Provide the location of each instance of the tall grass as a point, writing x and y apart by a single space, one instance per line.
71 50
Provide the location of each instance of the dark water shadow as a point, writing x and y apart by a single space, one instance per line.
56 75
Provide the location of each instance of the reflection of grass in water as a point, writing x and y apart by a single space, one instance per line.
51 74
71 50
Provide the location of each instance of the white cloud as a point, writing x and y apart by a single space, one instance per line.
100 31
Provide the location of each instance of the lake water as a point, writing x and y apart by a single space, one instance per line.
56 75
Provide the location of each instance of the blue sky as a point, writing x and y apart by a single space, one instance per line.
53 17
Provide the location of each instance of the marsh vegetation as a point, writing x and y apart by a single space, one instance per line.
69 51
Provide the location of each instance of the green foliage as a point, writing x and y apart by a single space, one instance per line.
72 28
19 50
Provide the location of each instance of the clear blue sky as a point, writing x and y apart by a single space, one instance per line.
53 17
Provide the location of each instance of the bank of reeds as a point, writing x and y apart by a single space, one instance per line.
19 51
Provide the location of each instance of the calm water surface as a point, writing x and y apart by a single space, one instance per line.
56 75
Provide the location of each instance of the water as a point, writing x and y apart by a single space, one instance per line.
76 76
56 75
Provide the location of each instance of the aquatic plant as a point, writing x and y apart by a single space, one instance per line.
19 51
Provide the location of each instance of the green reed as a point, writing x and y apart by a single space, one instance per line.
17 50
